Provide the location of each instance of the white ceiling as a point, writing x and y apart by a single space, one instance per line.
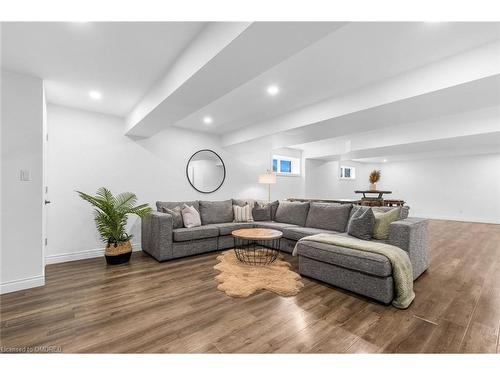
122 60
350 57
330 77
488 143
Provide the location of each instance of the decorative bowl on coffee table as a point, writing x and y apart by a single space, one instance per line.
257 246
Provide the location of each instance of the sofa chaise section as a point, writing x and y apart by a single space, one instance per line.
365 273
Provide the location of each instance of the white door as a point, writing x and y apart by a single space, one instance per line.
45 194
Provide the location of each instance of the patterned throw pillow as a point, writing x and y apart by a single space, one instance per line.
242 214
361 223
176 213
382 222
191 217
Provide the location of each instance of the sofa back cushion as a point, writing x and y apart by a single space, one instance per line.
173 205
292 212
213 212
329 216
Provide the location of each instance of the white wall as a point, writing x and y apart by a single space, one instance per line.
463 188
22 110
323 179
88 150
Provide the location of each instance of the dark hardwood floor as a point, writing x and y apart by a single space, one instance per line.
174 307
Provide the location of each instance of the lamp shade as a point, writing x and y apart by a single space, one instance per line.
267 178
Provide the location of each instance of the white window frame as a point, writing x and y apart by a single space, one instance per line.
342 172
296 165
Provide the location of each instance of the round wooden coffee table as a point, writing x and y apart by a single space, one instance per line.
257 246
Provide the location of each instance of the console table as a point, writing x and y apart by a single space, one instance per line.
377 200
340 200
379 192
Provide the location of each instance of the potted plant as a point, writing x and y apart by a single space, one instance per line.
374 178
110 216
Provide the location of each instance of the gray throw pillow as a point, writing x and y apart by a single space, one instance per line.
261 212
176 213
361 223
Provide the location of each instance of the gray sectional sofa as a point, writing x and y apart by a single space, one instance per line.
365 273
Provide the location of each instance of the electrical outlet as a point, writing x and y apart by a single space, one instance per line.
25 175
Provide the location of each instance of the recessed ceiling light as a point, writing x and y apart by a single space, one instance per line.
207 120
385 160
273 90
96 95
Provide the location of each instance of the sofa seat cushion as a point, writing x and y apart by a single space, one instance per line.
195 233
330 216
225 229
272 225
362 261
296 233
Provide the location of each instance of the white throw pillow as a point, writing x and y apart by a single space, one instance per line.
242 214
190 216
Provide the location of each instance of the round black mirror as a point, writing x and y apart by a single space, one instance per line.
206 171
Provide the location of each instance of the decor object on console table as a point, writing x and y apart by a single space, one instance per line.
111 219
374 178
268 178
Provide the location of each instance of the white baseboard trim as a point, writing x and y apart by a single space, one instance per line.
20 284
81 254
454 218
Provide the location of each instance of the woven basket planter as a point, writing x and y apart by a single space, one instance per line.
119 253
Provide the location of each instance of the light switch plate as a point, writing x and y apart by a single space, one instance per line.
25 175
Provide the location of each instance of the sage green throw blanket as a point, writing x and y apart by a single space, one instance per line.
402 271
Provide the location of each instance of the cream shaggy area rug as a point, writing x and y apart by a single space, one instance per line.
237 279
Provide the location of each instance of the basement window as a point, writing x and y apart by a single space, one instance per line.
286 165
347 173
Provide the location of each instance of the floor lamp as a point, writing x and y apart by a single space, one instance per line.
268 178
